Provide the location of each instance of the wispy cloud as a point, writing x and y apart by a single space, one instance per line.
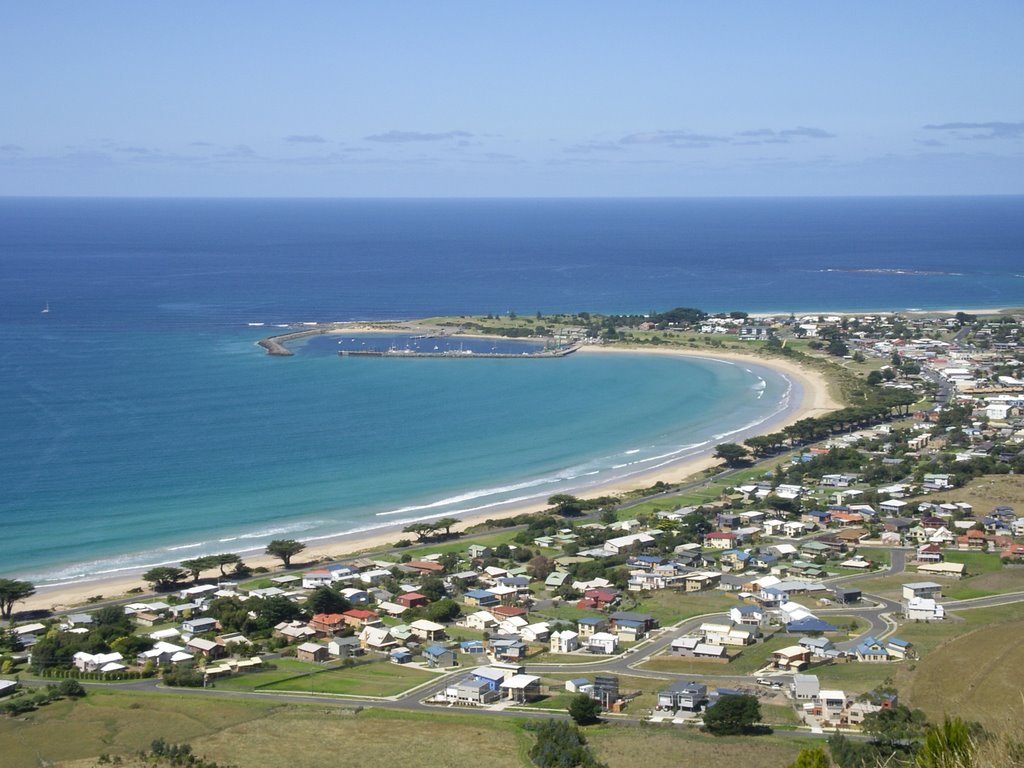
980 131
673 138
11 148
685 139
593 147
408 137
305 138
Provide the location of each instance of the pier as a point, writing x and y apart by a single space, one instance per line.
458 354
275 345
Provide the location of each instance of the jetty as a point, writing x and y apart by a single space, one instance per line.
275 345
458 354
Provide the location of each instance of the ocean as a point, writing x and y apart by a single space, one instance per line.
141 425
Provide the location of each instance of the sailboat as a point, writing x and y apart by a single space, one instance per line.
46 309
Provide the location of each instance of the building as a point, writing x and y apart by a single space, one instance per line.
688 696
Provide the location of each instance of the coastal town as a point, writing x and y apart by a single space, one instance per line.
835 579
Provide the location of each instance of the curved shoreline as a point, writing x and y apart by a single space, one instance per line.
809 397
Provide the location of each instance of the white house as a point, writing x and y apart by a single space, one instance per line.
565 641
923 609
602 642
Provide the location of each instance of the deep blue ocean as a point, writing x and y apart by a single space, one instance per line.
139 424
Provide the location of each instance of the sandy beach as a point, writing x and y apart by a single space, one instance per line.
814 399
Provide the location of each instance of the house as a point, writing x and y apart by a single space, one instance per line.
929 553
482 620
357 618
590 625
164 653
956 570
437 656
327 624
507 648
206 648
928 589
820 647
623 543
318 578
344 647
356 596
479 551
412 600
521 688
535 633
376 638
311 652
293 630
937 482
689 696
831 705
814 549
809 625
748 615
805 687
871 649
792 657
491 677
923 609
400 655
899 649
720 540
565 641
480 598
602 642
199 625
427 630
98 662
425 567
847 595
556 579
632 626
470 692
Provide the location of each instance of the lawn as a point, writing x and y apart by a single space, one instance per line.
983 493
373 679
670 606
976 562
1009 579
647 686
286 668
459 545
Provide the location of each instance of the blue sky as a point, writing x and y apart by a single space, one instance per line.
512 99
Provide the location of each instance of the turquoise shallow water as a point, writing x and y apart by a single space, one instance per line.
138 424
133 448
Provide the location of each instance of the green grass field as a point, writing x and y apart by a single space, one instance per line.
974 676
373 679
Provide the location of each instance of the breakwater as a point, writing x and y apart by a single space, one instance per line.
275 345
456 353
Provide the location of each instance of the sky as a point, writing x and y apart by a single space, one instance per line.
485 99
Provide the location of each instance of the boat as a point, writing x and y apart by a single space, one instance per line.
46 309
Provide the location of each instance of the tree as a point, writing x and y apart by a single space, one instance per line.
422 530
285 549
71 688
197 565
326 600
540 567
566 505
896 726
584 710
732 715
811 757
11 592
442 610
731 453
271 611
446 523
164 576
228 558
